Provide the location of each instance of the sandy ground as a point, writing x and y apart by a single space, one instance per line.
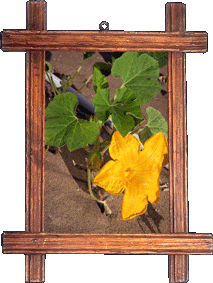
68 205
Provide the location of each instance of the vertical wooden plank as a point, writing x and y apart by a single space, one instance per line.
175 21
35 121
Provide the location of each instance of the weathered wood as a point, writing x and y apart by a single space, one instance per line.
175 21
23 40
57 243
35 122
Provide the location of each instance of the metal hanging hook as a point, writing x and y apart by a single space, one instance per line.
104 26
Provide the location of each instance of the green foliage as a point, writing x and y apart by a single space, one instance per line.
123 110
102 102
156 123
62 127
124 95
99 80
124 114
139 74
161 57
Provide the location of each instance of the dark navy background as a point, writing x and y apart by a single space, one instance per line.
128 16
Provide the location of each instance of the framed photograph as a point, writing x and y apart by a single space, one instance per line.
80 199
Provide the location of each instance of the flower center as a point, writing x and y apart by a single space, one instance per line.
128 172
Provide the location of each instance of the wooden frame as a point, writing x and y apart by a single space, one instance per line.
34 243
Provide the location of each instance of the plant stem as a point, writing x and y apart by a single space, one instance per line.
114 99
84 84
52 84
70 81
135 130
108 210
105 149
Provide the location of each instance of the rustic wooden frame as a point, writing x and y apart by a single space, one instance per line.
34 243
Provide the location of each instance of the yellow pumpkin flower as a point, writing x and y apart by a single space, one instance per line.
135 171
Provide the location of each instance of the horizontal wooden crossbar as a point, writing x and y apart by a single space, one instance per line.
26 40
54 243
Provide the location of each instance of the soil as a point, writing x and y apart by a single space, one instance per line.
68 204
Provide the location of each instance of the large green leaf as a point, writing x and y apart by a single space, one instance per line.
62 127
161 57
139 74
127 102
125 95
124 123
125 115
126 111
156 123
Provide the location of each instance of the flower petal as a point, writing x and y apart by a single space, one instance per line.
154 153
150 184
124 148
134 202
111 177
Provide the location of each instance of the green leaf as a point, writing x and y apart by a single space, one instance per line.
62 127
133 109
48 67
87 54
124 123
99 80
127 102
161 57
156 123
126 116
139 74
124 95
126 111
102 102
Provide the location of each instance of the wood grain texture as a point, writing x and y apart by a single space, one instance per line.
175 21
35 121
22 40
57 243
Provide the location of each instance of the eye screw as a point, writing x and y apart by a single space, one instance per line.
104 25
